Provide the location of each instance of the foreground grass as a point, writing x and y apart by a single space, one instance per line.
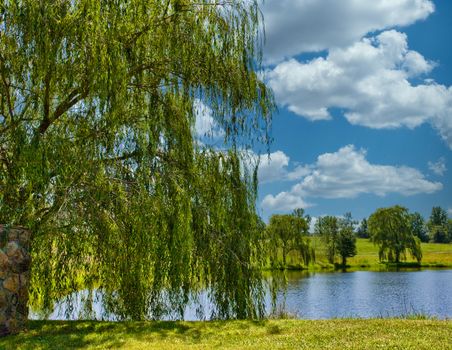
434 255
272 334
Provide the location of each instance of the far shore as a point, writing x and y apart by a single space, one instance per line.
435 255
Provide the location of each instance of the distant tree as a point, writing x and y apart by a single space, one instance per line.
390 229
302 244
449 229
362 231
439 234
347 239
327 228
347 220
438 216
437 226
346 243
289 233
418 226
338 236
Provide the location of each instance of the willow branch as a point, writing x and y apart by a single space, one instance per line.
74 97
7 94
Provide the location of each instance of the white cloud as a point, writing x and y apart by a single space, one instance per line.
274 167
438 167
346 174
296 26
370 81
284 201
205 125
298 172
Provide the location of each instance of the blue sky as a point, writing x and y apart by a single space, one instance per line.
365 106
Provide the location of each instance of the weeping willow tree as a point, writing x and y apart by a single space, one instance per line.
99 157
390 228
287 233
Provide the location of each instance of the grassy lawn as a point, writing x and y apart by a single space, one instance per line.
272 334
434 255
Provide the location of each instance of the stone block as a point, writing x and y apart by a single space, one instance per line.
11 248
12 283
4 264
3 298
20 261
25 238
14 278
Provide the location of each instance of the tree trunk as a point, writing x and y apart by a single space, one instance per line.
344 261
284 256
397 257
14 278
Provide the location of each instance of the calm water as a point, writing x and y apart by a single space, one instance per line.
362 294
368 294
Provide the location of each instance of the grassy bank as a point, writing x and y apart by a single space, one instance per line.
434 255
272 334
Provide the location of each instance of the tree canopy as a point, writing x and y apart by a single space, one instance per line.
418 226
338 236
327 227
98 155
438 226
362 231
391 230
289 233
346 240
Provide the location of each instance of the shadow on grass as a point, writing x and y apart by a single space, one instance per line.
92 334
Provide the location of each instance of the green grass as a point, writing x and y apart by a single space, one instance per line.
271 334
434 255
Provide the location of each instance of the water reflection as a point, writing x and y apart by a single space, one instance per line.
368 294
321 295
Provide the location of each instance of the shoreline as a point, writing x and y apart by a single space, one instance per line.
384 266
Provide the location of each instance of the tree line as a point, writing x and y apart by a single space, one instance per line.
395 231
437 229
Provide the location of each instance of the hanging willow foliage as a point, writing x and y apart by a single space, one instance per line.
98 155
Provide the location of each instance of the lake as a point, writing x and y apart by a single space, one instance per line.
368 294
358 294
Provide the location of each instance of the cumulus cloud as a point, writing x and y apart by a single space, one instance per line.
371 81
284 201
346 174
297 26
438 167
205 125
274 167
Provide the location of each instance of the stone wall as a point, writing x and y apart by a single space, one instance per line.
14 278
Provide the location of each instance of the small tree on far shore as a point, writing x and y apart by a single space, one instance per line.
362 231
437 226
289 233
346 243
338 236
390 229
418 226
327 228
